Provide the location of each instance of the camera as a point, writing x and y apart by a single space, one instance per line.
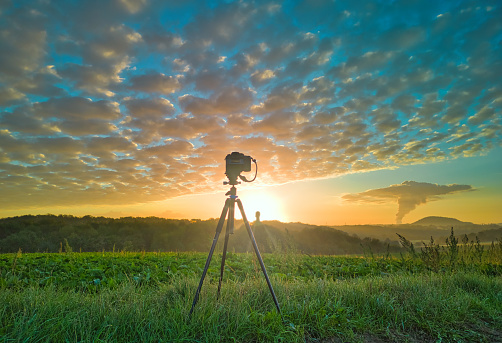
236 163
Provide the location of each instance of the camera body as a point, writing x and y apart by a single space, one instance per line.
236 163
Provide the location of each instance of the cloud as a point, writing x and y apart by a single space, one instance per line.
95 80
356 65
149 108
155 83
402 37
209 80
408 194
149 130
133 6
22 46
278 123
22 120
227 101
385 119
222 26
77 116
41 82
133 100
77 107
9 96
260 77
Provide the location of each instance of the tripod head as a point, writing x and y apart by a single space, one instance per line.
232 192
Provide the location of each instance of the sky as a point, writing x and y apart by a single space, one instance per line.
357 112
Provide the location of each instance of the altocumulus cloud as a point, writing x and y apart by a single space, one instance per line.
113 102
408 194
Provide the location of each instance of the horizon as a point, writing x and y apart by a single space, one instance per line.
261 221
357 113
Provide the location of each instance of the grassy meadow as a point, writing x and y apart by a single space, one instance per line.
449 293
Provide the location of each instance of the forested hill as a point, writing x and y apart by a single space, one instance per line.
50 233
441 221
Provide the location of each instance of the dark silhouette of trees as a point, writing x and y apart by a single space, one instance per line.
51 233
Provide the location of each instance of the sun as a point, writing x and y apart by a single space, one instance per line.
269 206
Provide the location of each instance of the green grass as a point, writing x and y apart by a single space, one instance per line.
94 271
449 293
146 297
427 307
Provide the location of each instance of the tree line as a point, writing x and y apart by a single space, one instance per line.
51 233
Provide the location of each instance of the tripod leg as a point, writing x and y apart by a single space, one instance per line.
255 246
230 228
208 261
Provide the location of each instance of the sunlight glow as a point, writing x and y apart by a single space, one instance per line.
270 206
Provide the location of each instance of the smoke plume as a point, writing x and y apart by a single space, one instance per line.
409 195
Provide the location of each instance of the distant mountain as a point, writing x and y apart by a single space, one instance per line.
440 221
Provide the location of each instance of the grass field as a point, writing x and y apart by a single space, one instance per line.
146 297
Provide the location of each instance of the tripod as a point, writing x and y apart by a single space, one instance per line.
230 209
